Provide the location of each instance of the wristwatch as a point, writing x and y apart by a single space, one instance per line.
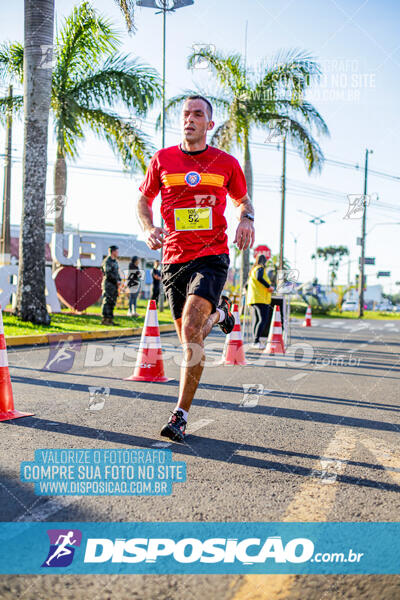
248 216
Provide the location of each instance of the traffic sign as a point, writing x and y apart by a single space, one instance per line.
367 261
383 274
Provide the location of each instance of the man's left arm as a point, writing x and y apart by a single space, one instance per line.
244 237
237 189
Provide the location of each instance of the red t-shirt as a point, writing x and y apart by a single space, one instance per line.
194 181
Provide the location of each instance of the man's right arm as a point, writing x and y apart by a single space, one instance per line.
153 235
264 282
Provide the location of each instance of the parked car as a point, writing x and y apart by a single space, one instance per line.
384 307
349 306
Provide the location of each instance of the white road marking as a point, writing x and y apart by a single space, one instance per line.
297 377
46 509
198 425
161 444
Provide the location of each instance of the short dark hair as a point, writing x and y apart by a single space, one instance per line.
261 259
198 97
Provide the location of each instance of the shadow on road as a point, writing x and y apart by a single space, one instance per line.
207 448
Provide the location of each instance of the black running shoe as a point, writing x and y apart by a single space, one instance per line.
229 322
175 428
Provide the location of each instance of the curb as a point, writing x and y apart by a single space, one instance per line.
47 338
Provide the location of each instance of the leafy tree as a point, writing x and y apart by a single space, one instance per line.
89 81
334 255
272 99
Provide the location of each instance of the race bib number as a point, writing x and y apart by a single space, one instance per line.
191 219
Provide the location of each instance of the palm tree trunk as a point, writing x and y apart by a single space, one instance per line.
60 190
39 26
248 173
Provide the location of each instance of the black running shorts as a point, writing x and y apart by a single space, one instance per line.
204 277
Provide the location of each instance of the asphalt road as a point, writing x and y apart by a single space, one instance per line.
314 439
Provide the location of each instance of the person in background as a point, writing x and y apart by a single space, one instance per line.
156 275
259 291
109 285
134 285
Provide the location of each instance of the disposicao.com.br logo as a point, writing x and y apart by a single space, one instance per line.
190 550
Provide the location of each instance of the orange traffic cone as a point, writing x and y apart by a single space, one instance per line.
307 322
275 343
233 353
7 410
149 363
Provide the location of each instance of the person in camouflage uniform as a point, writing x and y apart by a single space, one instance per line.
109 285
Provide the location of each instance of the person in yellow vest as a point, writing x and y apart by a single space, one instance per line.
259 291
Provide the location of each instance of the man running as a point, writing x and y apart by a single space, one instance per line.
194 180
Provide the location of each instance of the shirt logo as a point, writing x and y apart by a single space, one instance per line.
192 178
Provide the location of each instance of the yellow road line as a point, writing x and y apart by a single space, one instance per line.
388 458
312 504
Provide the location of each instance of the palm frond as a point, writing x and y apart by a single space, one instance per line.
228 69
119 80
16 103
290 71
127 8
125 138
261 110
81 44
68 127
306 146
12 61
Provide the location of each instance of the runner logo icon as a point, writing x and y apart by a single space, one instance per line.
62 547
192 178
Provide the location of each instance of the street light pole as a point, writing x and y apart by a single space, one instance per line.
164 11
163 79
295 239
363 236
317 221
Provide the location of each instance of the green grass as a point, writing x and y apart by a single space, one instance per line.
64 323
298 309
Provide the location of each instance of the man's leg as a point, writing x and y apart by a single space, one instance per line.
197 322
192 328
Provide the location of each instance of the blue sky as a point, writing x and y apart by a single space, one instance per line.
356 42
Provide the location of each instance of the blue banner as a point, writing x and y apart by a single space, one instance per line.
205 548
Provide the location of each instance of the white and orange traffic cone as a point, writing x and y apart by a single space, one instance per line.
233 353
307 321
7 410
275 344
149 363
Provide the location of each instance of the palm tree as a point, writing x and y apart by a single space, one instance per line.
334 255
89 79
39 26
274 96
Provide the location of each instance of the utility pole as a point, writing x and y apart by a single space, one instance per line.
5 248
363 236
283 200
